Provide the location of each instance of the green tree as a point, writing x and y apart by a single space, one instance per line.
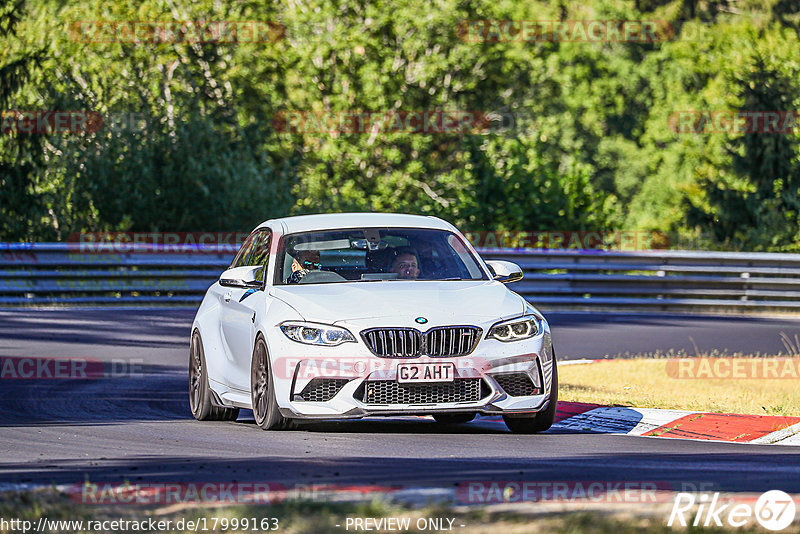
21 154
186 144
761 210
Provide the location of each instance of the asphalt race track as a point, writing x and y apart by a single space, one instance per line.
137 427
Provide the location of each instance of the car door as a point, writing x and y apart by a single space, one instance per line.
239 308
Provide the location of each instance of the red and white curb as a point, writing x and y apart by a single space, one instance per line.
676 424
685 424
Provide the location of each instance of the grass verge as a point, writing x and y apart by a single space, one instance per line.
708 384
301 517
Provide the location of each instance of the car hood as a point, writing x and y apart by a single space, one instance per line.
446 302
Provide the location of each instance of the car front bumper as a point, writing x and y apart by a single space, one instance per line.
362 370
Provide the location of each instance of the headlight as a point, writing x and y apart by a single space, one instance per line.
317 334
515 329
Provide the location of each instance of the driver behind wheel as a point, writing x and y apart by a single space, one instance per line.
405 264
303 263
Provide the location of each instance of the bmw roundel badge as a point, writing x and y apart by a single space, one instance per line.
420 320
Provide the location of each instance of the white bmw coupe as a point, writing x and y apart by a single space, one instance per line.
365 314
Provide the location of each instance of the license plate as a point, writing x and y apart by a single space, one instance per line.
425 372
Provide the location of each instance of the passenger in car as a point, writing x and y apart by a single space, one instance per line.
379 261
428 262
303 263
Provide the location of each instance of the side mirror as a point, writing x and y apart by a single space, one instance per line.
245 277
505 271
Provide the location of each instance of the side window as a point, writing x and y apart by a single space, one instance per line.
259 252
241 256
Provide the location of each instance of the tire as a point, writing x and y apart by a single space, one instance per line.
540 421
200 397
453 418
262 391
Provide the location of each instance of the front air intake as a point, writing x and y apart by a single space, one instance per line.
517 384
387 392
322 389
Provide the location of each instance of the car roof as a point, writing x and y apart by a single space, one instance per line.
332 221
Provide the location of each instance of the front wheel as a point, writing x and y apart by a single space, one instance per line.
199 390
540 421
262 391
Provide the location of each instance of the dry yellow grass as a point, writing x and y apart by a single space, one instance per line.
649 383
306 517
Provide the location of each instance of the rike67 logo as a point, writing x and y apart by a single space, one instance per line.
774 510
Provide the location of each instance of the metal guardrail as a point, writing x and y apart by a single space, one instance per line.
658 280
67 273
62 273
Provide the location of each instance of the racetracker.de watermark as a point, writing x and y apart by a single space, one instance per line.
22 368
570 240
392 122
571 491
534 31
165 242
733 368
44 122
734 122
253 492
352 367
175 31
166 493
49 122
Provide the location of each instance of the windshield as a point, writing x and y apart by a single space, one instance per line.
374 254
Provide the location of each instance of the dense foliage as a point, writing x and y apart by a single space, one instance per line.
192 140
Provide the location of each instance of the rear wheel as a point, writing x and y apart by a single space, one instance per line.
262 391
453 418
540 421
200 397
